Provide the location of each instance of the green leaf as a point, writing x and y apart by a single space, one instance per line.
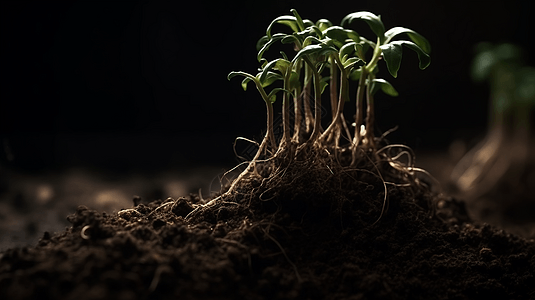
352 61
413 35
392 54
289 21
261 42
323 24
276 37
290 39
294 81
393 51
279 64
482 65
317 30
308 23
320 49
341 35
298 19
361 49
355 74
299 37
239 73
336 33
525 89
272 96
269 78
375 23
385 86
347 50
244 83
323 84
310 40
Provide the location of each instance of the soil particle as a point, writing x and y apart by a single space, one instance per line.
305 245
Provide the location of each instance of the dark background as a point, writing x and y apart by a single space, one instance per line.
141 85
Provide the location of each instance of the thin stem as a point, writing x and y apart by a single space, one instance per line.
335 128
297 114
317 101
377 52
306 100
358 116
359 103
333 87
270 136
370 116
286 111
297 107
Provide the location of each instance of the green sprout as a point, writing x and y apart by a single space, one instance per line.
326 55
504 152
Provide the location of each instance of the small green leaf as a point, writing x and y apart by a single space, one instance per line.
289 21
525 89
352 61
320 49
336 33
374 21
347 50
311 40
294 81
392 54
279 64
385 86
323 24
308 23
298 19
272 96
317 30
361 49
323 84
239 73
341 35
355 74
269 78
289 39
244 83
276 37
413 35
482 65
299 37
261 42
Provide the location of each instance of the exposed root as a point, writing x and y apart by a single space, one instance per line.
312 168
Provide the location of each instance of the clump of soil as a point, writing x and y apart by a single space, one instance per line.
310 235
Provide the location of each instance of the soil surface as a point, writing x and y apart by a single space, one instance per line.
297 241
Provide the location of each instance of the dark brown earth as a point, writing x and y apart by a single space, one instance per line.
298 241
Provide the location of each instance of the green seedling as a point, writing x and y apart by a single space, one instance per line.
505 149
326 55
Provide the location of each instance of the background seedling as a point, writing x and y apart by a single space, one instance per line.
507 144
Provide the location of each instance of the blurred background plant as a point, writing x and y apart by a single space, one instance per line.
500 169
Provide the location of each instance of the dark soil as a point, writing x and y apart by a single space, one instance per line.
300 240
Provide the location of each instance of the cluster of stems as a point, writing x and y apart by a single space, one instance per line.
327 55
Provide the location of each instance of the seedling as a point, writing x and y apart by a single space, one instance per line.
504 152
326 55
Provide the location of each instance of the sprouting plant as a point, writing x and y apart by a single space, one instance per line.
506 146
326 55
